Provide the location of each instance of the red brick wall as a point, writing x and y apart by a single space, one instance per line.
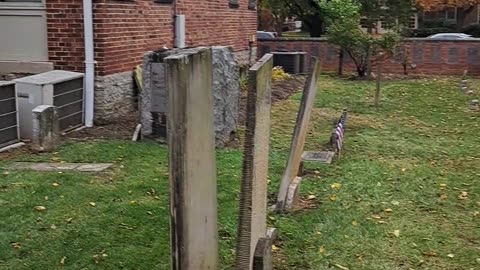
125 30
65 34
430 57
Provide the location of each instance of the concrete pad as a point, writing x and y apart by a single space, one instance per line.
49 167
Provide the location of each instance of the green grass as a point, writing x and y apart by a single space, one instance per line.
414 155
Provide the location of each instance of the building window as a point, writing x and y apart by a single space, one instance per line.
252 4
233 3
478 13
451 14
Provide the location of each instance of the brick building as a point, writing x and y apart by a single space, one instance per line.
43 34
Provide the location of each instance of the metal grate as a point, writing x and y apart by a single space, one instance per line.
68 98
8 114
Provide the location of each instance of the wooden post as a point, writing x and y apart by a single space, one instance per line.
379 78
191 146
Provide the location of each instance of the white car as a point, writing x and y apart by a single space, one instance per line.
449 36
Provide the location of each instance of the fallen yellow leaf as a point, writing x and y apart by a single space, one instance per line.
5 173
336 186
16 245
430 253
55 184
354 223
333 197
274 248
133 202
396 233
311 197
92 204
40 208
341 267
321 250
463 195
62 261
450 255
395 203
388 210
376 217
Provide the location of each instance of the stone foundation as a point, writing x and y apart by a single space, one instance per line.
114 97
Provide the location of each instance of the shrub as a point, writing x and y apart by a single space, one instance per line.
473 30
278 74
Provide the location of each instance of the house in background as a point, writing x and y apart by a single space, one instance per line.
455 17
40 35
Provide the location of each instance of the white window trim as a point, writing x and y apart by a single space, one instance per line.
478 13
455 17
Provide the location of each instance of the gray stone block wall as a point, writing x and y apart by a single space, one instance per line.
114 97
226 92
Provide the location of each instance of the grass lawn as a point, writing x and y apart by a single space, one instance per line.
393 201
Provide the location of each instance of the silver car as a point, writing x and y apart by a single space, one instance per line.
449 36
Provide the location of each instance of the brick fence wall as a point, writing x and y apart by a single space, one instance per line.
429 57
125 30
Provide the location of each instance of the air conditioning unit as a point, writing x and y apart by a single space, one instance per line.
9 133
62 89
291 62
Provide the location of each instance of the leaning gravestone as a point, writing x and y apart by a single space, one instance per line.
226 92
191 144
252 222
290 183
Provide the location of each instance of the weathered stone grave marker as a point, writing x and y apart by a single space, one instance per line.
289 183
252 224
45 128
191 146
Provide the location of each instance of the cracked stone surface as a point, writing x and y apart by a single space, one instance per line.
48 167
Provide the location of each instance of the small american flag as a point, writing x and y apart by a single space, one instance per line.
338 132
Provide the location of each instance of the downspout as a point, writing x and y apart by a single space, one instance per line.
89 62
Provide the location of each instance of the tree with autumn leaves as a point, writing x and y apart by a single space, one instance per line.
428 5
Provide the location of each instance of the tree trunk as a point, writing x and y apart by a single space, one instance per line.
316 25
340 62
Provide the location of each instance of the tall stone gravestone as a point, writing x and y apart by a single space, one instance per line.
289 184
252 223
191 146
226 91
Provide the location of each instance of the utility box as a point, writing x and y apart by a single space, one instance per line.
9 133
62 89
291 62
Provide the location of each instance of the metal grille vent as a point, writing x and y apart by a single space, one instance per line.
68 98
8 114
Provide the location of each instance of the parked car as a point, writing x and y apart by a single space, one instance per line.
449 36
264 34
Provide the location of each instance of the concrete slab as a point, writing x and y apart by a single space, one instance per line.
48 167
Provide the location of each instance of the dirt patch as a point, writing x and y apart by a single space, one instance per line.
281 90
119 128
